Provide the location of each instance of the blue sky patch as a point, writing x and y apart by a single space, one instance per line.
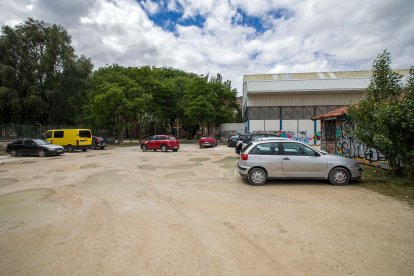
168 20
260 24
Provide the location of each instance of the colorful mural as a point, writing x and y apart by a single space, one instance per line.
347 145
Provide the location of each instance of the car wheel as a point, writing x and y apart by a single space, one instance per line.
339 177
13 153
41 153
257 177
84 149
144 148
101 148
175 150
164 148
238 150
69 148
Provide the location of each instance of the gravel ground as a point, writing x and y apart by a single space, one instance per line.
126 212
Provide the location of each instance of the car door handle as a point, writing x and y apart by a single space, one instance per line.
286 158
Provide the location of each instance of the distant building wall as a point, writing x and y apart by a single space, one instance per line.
228 129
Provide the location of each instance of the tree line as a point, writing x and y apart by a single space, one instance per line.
42 80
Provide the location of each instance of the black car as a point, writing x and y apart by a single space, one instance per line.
37 147
98 142
232 140
246 138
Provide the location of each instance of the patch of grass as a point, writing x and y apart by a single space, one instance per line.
386 183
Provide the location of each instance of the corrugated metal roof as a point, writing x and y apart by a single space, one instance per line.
317 75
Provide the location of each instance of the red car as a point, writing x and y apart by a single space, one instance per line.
161 142
207 141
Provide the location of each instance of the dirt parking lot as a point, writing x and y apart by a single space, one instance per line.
126 212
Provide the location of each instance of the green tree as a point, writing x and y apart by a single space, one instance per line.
36 60
385 116
115 101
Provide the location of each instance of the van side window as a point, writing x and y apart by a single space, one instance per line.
85 133
48 135
58 134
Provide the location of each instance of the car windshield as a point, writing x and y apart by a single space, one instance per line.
40 142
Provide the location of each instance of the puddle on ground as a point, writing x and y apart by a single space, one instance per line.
7 181
27 162
199 159
25 208
88 166
228 163
147 167
179 174
108 183
173 167
59 178
180 167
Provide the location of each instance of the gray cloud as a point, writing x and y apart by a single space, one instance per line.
317 36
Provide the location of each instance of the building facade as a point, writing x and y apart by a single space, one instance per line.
285 103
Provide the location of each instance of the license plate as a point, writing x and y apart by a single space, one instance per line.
206 143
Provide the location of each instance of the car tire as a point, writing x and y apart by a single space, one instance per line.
175 150
144 148
84 149
257 177
69 148
238 150
101 148
339 176
41 153
13 153
164 148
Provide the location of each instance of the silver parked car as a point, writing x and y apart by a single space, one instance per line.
287 159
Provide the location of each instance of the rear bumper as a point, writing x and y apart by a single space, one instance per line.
242 170
356 173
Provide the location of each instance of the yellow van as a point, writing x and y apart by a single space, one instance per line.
71 139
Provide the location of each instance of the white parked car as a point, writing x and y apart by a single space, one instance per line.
287 159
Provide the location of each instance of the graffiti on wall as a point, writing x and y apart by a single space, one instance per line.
301 135
347 145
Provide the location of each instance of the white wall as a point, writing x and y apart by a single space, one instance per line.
300 130
256 125
231 128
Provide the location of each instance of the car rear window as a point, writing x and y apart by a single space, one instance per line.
171 138
85 133
246 147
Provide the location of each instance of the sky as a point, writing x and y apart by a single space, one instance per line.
231 37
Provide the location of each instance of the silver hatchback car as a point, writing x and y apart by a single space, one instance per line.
261 160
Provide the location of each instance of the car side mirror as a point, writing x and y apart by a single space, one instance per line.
317 154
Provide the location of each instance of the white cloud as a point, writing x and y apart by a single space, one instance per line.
317 35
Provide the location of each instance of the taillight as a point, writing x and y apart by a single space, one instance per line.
244 156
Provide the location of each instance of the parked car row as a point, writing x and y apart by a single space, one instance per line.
263 156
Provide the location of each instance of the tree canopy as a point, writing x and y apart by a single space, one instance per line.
140 96
385 116
41 78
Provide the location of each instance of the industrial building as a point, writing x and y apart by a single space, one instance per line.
285 103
